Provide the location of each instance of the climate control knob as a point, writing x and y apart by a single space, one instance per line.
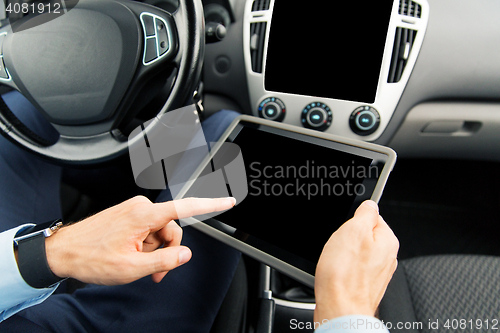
364 121
272 108
317 116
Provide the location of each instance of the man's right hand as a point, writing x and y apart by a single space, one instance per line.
127 242
356 265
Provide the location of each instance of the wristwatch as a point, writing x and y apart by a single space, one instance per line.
31 256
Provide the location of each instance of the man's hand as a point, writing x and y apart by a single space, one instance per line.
355 266
127 242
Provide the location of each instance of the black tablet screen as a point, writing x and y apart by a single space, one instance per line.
299 193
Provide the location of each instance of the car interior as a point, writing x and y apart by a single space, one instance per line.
419 76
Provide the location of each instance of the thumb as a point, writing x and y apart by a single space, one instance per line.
367 214
367 208
163 259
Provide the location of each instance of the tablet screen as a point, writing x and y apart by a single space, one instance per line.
300 190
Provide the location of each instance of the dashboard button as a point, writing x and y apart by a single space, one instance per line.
271 111
364 121
149 25
317 116
272 108
163 42
150 53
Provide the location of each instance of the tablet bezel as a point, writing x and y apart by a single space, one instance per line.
268 259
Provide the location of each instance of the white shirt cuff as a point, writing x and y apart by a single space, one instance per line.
15 293
353 324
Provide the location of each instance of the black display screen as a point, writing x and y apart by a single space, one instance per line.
330 49
300 191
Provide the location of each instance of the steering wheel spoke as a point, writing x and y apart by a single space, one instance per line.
5 76
160 42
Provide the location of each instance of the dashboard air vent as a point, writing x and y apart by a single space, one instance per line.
260 5
403 43
409 8
257 39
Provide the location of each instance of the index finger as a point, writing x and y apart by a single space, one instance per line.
184 208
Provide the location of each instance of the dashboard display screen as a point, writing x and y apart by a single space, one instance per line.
300 190
330 49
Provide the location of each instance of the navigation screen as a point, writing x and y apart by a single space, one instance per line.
330 49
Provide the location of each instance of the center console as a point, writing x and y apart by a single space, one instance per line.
337 68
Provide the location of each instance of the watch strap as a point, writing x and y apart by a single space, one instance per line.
32 262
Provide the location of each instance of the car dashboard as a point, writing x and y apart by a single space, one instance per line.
435 93
327 73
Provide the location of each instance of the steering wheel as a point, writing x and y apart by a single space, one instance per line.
85 71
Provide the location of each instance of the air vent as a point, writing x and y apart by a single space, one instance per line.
403 44
257 39
260 5
409 8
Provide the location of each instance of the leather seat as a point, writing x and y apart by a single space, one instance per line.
444 292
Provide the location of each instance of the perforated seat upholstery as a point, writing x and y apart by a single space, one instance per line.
437 289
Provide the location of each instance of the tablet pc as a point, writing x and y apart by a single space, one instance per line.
302 185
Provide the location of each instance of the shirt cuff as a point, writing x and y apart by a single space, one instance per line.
354 324
15 293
